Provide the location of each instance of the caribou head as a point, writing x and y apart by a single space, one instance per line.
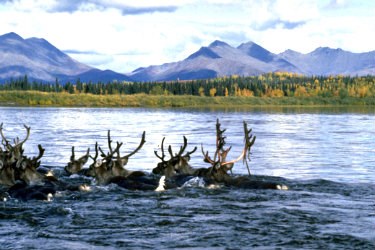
14 165
177 164
112 164
26 169
14 152
7 175
76 165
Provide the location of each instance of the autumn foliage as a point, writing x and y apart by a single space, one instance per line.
277 84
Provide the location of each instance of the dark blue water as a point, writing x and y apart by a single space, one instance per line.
327 158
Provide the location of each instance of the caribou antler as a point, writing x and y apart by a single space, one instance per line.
110 142
16 149
143 140
4 139
110 155
72 158
189 153
179 154
220 140
35 160
122 161
177 163
17 143
111 152
245 154
96 153
182 149
162 151
221 153
249 142
207 158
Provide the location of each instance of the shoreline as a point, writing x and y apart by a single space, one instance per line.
53 99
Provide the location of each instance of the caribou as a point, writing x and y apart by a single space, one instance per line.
176 164
15 165
177 169
21 175
217 173
19 172
112 164
110 167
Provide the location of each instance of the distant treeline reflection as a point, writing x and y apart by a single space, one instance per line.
267 85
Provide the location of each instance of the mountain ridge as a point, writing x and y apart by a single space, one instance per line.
248 59
42 61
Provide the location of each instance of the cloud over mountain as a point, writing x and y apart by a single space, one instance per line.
166 31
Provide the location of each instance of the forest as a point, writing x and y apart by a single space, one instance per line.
279 84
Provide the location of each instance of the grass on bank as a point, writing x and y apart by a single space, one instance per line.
36 98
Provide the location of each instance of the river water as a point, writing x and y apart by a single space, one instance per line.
326 157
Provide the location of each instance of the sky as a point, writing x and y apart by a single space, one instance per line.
124 35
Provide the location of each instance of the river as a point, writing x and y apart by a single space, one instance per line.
325 156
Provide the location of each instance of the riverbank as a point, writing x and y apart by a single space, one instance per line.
52 99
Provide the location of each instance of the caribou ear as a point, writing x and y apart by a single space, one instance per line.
228 166
21 165
186 158
217 166
125 161
98 163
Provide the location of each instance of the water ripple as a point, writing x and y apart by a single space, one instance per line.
326 158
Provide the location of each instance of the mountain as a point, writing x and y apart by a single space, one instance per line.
221 59
218 59
41 61
327 61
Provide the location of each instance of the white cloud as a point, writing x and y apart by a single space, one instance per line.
124 35
295 10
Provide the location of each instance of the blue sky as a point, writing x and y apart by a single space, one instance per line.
124 35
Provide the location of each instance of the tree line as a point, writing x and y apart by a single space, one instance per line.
277 84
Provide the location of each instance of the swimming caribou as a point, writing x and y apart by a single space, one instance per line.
218 171
23 178
177 167
176 164
110 167
111 164
17 166
19 172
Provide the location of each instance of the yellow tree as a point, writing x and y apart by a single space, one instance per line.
300 91
201 91
212 92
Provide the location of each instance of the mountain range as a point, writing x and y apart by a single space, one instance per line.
221 59
41 61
